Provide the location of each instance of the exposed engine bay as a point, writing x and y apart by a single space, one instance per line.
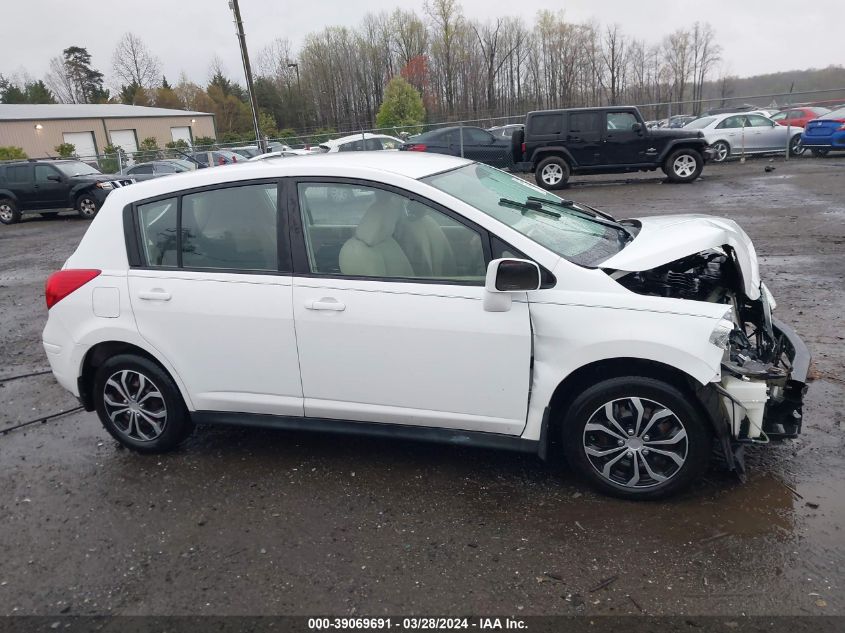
760 388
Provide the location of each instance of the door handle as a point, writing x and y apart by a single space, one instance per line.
154 295
326 303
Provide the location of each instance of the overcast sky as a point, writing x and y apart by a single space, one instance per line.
756 37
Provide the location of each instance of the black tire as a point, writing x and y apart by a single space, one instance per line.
654 397
87 205
9 213
517 139
722 151
795 147
820 153
48 214
683 165
552 173
116 383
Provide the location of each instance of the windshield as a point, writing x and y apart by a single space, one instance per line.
76 169
520 205
700 123
836 114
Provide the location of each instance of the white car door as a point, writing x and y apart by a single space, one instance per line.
212 300
389 319
733 129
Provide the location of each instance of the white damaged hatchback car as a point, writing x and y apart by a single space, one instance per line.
440 300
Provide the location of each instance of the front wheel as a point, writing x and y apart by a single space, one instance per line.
636 438
795 146
683 165
9 213
140 405
87 206
552 173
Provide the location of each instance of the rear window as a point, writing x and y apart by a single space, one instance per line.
701 123
543 124
836 114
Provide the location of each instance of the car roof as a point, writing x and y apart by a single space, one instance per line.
356 137
364 165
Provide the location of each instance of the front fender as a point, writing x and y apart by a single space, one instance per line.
568 337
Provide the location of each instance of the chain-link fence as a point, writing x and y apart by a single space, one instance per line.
484 138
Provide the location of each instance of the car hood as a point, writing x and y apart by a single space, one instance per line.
664 239
100 177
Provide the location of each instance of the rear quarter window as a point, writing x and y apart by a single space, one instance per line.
546 124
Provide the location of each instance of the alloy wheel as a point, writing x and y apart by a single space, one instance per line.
552 174
87 206
684 166
6 212
635 442
135 405
796 148
721 152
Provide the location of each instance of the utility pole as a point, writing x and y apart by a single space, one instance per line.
295 65
250 88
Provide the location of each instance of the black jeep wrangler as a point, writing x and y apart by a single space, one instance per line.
50 186
612 140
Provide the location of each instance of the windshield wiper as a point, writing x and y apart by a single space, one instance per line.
596 216
523 206
571 204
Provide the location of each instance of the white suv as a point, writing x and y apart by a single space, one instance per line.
442 300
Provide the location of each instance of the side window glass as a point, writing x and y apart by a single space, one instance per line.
477 137
158 232
232 228
18 173
585 122
369 232
41 173
389 143
759 121
543 124
620 121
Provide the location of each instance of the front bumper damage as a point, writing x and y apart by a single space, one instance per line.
763 403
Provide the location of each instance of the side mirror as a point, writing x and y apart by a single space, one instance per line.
54 177
506 276
637 127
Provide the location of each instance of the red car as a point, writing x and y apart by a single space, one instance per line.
799 117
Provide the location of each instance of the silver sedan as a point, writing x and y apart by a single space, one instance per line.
740 134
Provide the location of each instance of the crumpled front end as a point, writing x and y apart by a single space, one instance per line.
765 363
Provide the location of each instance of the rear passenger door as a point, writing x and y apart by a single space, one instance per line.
583 136
210 288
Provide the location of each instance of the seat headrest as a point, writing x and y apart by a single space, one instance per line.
377 225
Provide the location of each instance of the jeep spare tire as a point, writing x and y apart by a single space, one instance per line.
552 173
517 139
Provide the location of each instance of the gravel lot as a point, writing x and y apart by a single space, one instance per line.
260 522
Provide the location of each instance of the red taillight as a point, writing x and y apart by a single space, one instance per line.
61 284
417 147
523 148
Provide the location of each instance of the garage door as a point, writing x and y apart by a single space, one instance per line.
83 142
183 133
125 139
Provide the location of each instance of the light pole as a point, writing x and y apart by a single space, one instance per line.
295 65
233 5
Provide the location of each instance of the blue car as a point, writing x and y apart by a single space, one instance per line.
825 134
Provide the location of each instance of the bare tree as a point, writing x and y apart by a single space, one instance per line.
133 63
614 55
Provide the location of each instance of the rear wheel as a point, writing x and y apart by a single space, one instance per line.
9 213
721 150
552 173
87 206
819 153
795 146
140 405
683 165
636 438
